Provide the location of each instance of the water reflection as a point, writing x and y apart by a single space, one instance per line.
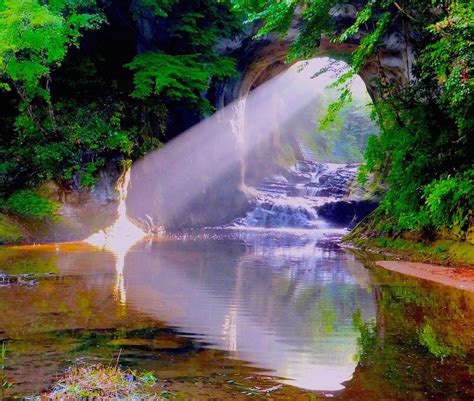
281 302
290 304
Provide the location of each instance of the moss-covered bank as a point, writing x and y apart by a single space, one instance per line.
11 231
442 251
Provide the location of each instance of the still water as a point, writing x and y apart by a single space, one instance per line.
212 312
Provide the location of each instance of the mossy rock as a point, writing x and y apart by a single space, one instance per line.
155 344
10 231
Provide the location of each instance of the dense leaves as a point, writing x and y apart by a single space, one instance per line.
179 77
182 66
423 155
73 106
30 205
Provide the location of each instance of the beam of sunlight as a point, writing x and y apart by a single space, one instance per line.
203 170
123 233
200 172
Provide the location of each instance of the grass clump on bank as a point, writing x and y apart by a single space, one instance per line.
444 252
106 382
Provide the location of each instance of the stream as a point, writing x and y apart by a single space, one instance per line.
270 301
211 312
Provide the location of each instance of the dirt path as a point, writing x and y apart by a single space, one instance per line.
461 278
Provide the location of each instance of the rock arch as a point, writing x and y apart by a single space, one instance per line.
259 60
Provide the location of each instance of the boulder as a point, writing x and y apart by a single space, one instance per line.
346 213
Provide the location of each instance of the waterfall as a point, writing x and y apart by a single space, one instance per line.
237 124
292 200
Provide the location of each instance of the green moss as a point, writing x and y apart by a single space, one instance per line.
445 252
10 232
29 205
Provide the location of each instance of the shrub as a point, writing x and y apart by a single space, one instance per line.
450 202
29 205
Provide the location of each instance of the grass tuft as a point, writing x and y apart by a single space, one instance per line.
105 382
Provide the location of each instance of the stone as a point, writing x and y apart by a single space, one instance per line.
346 213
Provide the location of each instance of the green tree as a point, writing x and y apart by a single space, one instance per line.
182 67
424 145
34 40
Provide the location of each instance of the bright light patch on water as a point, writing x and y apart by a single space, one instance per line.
123 233
119 238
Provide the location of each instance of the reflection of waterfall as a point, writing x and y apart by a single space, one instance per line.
120 293
280 302
122 234
229 330
238 126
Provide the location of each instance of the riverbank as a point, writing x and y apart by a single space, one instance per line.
439 252
10 231
460 278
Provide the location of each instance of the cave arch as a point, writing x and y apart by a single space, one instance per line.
262 61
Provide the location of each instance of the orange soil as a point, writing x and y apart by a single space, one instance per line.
461 278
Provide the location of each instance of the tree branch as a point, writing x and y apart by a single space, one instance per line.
404 12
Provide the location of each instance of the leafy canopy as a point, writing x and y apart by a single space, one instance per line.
423 153
182 67
35 37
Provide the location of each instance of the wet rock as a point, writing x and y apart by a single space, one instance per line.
343 11
346 213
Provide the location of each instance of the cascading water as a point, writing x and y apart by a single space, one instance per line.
293 200
237 124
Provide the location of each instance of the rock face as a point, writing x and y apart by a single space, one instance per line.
82 212
259 60
347 213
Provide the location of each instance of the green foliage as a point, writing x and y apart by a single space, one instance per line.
9 230
160 8
345 139
449 59
34 38
276 16
179 77
428 338
5 384
367 336
88 136
450 202
29 205
182 73
72 116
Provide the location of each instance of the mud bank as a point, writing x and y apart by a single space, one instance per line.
461 278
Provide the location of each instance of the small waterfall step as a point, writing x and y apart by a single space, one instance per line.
292 200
